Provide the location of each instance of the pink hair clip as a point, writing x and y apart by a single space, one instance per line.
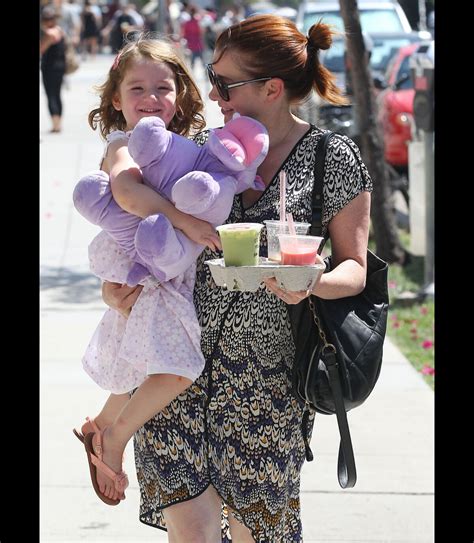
116 61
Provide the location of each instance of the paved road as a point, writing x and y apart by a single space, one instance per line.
392 432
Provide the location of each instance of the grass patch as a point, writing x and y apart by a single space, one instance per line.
411 320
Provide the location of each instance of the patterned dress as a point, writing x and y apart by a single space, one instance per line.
238 427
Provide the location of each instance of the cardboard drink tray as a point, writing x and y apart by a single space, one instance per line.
249 278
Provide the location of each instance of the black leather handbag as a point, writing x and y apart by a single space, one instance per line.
338 342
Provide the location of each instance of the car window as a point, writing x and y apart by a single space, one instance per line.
371 20
403 71
384 49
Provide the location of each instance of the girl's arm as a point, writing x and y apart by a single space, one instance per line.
132 195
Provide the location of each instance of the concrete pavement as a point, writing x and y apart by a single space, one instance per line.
392 432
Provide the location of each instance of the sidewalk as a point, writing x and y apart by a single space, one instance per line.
392 432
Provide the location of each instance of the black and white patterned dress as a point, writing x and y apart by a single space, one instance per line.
238 427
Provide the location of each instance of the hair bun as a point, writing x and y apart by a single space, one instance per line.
320 36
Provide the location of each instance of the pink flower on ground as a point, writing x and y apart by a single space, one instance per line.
427 344
396 324
427 370
423 310
392 284
413 330
394 317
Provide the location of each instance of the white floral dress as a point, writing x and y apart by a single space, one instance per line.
161 334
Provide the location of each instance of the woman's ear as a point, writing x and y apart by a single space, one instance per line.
116 102
274 88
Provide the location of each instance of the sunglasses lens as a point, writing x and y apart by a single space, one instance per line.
221 89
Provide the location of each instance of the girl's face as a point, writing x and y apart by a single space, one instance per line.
147 90
246 100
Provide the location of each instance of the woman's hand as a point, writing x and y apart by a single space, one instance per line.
289 296
201 232
120 297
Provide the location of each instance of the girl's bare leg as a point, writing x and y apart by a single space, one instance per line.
112 407
198 519
155 393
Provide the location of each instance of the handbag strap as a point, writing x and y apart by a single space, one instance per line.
346 469
318 197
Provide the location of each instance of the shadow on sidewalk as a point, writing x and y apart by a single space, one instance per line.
68 286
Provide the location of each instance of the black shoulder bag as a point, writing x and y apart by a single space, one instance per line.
338 342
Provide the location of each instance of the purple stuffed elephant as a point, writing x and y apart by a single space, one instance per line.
199 180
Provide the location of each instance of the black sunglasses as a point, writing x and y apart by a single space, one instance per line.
223 88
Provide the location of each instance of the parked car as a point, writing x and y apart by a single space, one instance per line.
386 20
395 108
383 46
382 16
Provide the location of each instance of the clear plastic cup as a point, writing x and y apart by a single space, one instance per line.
274 228
299 250
240 243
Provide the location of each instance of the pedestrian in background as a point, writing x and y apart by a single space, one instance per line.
53 63
192 32
90 30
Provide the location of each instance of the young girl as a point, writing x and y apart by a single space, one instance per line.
161 337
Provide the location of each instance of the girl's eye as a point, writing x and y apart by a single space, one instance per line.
136 88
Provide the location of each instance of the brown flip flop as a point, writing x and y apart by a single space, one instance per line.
80 435
94 457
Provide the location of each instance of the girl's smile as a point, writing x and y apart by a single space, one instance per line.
148 89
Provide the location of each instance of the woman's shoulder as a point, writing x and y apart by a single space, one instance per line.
343 161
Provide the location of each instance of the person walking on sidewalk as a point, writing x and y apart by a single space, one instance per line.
53 63
233 443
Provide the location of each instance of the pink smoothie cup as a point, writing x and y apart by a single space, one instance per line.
298 250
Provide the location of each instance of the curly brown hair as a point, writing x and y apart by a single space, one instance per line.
189 105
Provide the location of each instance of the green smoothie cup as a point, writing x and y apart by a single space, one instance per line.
240 243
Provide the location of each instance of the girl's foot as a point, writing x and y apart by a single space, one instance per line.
112 456
90 426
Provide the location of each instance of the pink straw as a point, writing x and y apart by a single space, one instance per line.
282 196
291 224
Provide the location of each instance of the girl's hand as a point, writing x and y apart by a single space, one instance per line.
201 232
120 297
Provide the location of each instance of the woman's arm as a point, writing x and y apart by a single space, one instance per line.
50 36
132 195
349 233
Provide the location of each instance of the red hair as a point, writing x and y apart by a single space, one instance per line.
270 45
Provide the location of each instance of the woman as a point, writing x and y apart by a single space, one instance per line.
53 63
235 437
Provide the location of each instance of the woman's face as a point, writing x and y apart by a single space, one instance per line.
148 89
247 99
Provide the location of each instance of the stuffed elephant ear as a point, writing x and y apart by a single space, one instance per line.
241 145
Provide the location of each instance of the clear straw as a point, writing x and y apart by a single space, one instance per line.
282 196
291 224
